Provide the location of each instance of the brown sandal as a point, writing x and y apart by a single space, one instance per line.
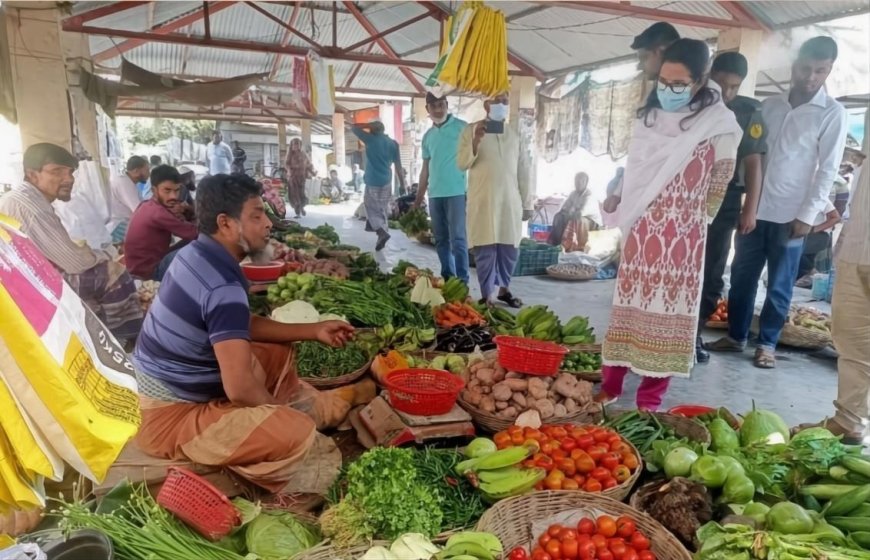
764 359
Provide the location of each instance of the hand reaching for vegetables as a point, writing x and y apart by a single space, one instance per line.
333 333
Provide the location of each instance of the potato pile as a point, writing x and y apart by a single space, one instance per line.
507 394
326 267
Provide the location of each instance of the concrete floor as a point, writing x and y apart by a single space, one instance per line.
800 389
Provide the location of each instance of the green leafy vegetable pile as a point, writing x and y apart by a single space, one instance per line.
414 222
739 542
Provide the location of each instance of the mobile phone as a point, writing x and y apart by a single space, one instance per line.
494 127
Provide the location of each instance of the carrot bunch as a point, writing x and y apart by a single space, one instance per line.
457 314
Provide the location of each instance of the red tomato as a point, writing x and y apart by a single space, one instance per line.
558 455
544 462
600 474
554 549
639 541
570 549
630 461
601 436
599 541
518 553
586 526
610 461
609 483
567 466
586 551
620 447
514 429
625 527
646 555
559 432
532 433
618 548
540 555
570 484
554 531
596 452
568 445
592 485
630 554
606 555
548 447
544 539
584 463
517 438
502 439
606 526
585 441
567 535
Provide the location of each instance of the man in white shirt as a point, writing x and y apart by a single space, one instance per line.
218 155
125 195
806 136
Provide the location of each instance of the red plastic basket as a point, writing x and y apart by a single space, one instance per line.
198 503
423 392
529 356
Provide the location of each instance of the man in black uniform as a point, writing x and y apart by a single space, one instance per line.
728 71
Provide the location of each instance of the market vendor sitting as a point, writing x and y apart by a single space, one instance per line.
148 247
217 385
102 283
579 215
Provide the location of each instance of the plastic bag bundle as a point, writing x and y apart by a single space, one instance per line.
67 391
474 54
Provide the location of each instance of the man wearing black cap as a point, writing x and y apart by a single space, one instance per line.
651 44
103 284
446 184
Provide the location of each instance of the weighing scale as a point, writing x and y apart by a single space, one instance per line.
379 424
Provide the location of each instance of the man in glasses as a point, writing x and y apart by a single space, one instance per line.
806 136
728 71
446 184
651 44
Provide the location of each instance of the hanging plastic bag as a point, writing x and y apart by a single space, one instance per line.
322 85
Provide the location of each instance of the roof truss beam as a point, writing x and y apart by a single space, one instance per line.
742 14
640 12
285 40
385 46
386 32
292 29
107 10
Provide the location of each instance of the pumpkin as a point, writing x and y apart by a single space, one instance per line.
386 362
17 522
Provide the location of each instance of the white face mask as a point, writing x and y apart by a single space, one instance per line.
438 121
498 111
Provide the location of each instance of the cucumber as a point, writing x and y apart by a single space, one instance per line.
828 491
861 511
844 475
846 503
857 465
861 538
812 504
850 524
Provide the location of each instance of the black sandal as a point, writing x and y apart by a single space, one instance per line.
509 300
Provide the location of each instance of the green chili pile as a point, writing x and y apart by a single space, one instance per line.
314 359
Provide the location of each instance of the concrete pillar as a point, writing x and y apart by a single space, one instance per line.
338 147
282 143
77 54
39 82
305 126
748 43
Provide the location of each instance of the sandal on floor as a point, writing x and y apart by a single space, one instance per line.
511 301
764 359
725 344
604 399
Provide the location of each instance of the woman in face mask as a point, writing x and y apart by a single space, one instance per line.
680 161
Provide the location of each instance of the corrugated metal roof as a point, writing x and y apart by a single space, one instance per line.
551 38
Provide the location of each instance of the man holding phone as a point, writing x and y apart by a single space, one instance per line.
498 198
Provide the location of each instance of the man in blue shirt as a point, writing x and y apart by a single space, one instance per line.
446 184
218 385
382 152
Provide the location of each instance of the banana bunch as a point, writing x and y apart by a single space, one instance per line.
578 331
454 290
471 545
498 475
539 322
405 339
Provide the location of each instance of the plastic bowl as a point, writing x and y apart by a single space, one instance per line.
263 272
690 410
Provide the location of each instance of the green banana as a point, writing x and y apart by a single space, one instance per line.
467 548
488 541
497 475
516 486
464 467
502 458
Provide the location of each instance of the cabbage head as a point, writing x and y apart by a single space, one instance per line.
279 535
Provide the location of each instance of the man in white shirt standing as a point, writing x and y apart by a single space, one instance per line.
218 155
125 195
806 138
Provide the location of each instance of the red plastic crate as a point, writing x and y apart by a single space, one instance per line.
423 392
198 503
529 356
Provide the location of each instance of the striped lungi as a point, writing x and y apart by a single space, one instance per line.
377 203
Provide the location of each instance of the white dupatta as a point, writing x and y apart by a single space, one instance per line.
657 153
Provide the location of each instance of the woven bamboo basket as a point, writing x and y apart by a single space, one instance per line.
718 325
511 520
552 272
684 427
638 500
800 337
593 348
340 381
326 551
491 423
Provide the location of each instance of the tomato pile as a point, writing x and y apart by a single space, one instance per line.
721 313
604 538
590 458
